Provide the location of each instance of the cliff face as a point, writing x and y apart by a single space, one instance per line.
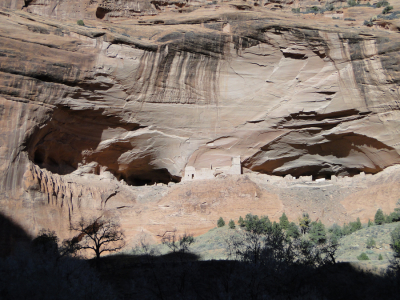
140 99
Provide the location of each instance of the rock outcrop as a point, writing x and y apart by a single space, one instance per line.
93 112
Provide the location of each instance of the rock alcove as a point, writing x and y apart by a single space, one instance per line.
71 139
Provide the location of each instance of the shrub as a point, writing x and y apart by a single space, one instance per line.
356 225
351 227
317 233
314 9
329 7
387 9
379 217
257 225
221 222
370 223
395 239
371 243
304 223
293 231
394 216
296 10
335 232
80 23
381 3
380 257
284 221
241 222
363 256
352 3
231 224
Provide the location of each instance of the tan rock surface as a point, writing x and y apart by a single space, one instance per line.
91 114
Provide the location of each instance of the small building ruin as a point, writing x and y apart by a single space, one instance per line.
191 173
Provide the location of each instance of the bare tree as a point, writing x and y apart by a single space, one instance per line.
99 234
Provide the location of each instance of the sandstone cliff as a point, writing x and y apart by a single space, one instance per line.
91 114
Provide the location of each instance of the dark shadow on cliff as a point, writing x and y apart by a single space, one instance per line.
12 236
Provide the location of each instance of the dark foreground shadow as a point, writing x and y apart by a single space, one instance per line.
172 277
33 274
12 236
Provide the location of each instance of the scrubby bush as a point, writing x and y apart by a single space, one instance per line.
272 248
352 2
317 233
284 221
381 4
241 222
305 223
380 257
296 10
231 224
368 23
395 241
363 256
80 23
351 227
329 7
379 217
387 9
370 243
293 231
257 225
335 232
221 222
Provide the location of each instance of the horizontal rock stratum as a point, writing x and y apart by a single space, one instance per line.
92 114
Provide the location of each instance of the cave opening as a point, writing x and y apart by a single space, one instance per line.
69 141
340 154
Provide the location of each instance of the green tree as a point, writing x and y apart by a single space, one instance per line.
336 231
379 217
256 225
284 221
346 230
388 219
357 225
363 256
395 241
80 23
395 216
221 222
241 222
305 223
370 223
370 243
380 257
293 231
317 233
231 224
